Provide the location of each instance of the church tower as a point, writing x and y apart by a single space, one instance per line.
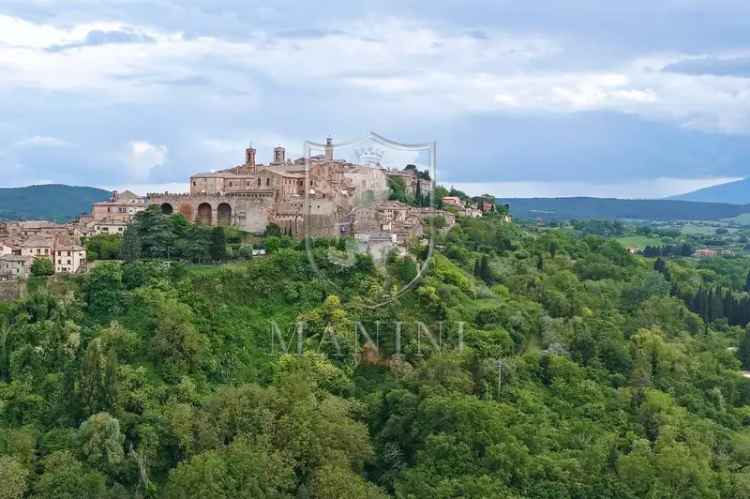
250 158
329 149
279 155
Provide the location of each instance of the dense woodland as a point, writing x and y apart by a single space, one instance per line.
566 368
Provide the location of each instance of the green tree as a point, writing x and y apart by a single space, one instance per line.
98 385
743 351
218 248
130 249
13 477
102 291
64 477
101 442
42 267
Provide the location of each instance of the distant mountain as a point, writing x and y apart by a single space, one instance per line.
582 208
55 202
737 192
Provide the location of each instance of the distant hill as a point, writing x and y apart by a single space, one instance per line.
737 192
55 202
582 208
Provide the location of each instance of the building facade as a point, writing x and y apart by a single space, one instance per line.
15 267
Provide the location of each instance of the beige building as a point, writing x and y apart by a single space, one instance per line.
69 258
251 196
15 266
38 247
122 207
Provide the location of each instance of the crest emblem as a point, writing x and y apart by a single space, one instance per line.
369 202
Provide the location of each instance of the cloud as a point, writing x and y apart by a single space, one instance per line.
40 141
143 158
522 94
97 37
730 66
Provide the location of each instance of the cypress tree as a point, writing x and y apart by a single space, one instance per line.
130 250
218 248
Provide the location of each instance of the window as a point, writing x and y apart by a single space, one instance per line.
268 182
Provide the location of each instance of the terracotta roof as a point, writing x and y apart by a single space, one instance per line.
38 242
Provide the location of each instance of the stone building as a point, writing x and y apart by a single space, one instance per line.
325 197
114 215
251 196
15 267
122 207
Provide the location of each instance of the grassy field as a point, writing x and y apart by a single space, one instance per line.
639 242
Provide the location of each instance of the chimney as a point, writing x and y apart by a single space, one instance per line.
329 149
250 157
279 155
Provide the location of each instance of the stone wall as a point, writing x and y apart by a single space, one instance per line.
12 290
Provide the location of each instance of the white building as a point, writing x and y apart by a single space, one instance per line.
69 258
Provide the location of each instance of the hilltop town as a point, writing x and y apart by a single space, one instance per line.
321 197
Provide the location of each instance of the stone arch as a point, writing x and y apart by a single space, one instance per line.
167 208
204 214
224 214
187 211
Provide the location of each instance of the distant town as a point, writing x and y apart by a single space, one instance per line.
382 209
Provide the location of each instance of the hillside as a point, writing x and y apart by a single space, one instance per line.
737 192
553 365
54 202
583 208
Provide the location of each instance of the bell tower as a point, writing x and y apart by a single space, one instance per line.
250 158
329 149
279 155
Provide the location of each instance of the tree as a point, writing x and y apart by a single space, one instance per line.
103 247
218 247
102 291
743 351
65 477
13 477
98 378
176 345
244 470
101 442
42 267
130 249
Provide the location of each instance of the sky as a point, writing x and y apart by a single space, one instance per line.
583 97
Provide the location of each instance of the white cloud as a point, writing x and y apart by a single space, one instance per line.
143 157
395 64
41 141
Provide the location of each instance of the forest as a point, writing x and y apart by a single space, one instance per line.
564 367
